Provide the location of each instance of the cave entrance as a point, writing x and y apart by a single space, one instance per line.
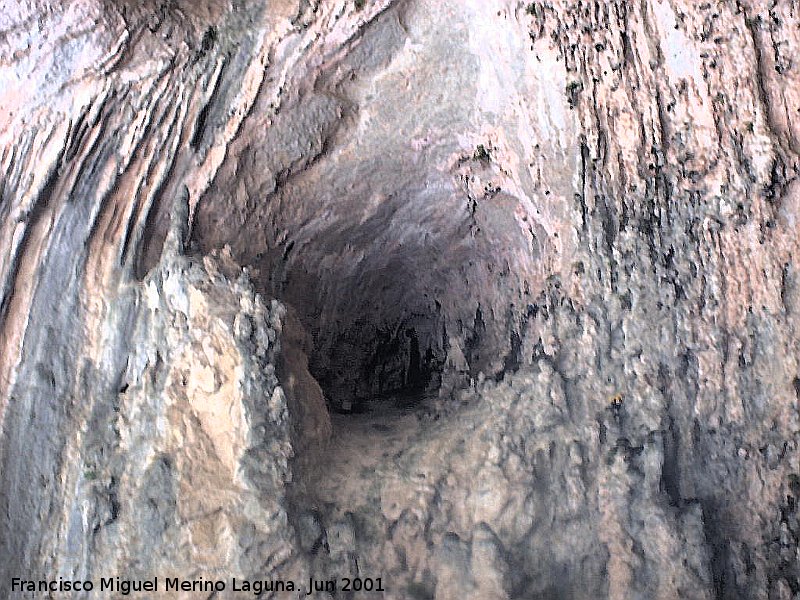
374 299
386 300
397 371
391 286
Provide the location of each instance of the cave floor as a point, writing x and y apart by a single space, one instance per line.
367 449
382 492
379 465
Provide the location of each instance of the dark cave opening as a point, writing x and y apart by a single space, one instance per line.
380 306
390 310
396 296
385 362
387 319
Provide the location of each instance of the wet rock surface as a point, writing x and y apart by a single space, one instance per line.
486 299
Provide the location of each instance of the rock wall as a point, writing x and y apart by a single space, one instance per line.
167 452
575 222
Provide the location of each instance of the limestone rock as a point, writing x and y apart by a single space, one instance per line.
477 298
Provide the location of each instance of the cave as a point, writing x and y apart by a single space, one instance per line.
376 324
392 281
457 299
383 314
389 251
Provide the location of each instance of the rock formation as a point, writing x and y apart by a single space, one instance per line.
487 299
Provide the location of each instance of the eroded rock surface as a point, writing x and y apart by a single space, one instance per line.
488 299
